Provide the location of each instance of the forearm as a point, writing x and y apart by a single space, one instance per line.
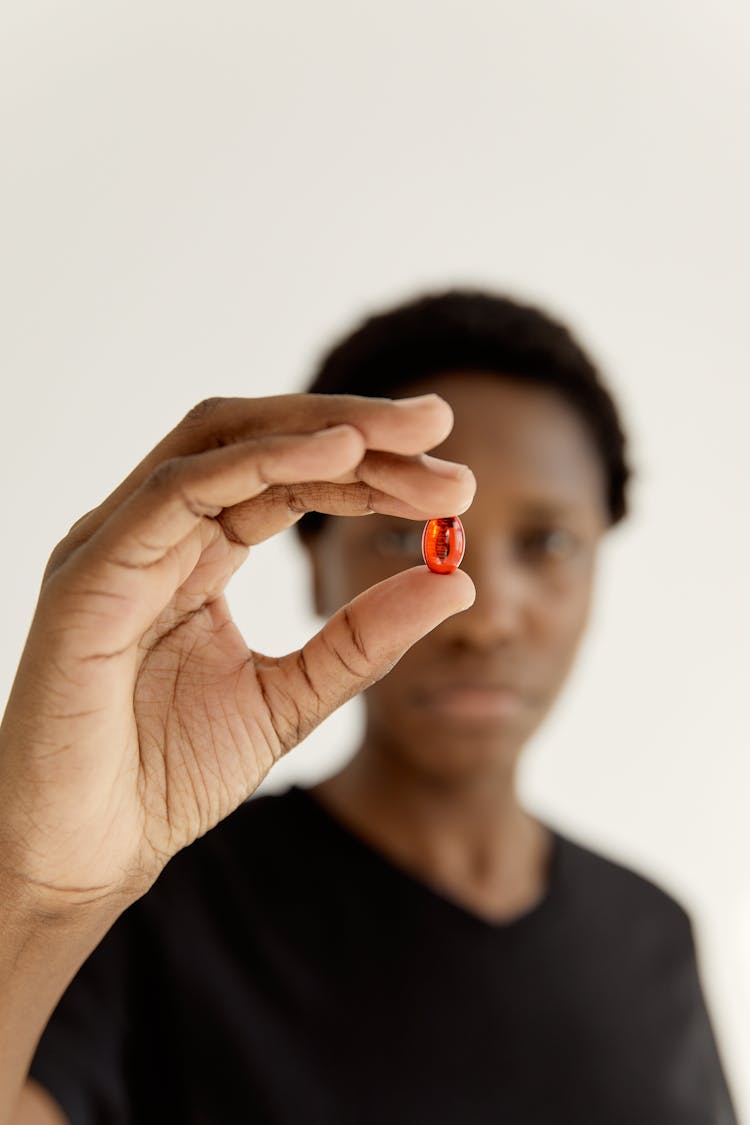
41 949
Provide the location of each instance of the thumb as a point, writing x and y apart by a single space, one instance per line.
357 646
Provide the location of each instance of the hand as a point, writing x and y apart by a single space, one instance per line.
138 717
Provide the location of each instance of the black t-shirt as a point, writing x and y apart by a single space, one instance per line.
282 970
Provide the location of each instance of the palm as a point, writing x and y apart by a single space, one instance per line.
188 732
206 737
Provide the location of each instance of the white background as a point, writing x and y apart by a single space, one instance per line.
197 198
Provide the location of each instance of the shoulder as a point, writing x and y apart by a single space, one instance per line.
618 892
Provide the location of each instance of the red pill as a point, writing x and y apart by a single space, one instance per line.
443 543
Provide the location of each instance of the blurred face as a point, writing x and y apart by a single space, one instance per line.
467 697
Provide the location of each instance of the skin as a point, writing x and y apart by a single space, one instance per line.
111 755
433 783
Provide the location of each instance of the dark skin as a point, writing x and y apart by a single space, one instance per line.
433 783
139 717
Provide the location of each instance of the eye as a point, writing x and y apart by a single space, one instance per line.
398 542
551 543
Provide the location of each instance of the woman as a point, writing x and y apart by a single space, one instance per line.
402 942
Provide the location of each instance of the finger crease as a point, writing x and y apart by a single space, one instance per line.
302 662
355 635
278 750
295 503
344 663
226 526
198 508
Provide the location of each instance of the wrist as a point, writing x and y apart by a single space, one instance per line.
30 907
44 940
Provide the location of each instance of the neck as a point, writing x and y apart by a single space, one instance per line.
470 835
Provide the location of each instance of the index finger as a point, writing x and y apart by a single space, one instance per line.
408 426
405 425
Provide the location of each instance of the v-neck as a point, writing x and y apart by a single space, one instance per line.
530 917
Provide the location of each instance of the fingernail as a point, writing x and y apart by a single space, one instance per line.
450 469
416 400
333 431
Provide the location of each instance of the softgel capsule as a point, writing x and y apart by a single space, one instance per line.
443 543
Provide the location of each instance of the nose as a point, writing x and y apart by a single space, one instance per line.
497 615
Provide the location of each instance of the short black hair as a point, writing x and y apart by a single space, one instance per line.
463 330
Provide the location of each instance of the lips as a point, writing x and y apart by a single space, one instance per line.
472 699
439 686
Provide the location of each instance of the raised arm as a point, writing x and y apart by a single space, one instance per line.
139 718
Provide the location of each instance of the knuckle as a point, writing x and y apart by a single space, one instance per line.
78 533
176 477
165 474
202 410
298 500
58 556
81 522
